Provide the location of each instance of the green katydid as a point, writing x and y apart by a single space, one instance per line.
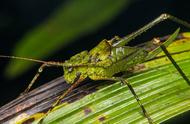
110 57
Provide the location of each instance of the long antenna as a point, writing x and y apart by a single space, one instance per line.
22 58
33 60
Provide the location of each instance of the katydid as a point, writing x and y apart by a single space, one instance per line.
110 57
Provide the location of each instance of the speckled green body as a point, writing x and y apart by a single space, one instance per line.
103 61
110 57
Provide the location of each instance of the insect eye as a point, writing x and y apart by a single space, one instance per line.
70 69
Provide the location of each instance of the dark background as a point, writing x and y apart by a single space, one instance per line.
19 16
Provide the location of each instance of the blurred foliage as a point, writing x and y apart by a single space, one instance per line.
70 21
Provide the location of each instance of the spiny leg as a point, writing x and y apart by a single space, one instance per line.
44 64
164 49
156 21
58 100
40 70
124 81
77 81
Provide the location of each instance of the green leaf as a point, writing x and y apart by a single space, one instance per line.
73 19
160 87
